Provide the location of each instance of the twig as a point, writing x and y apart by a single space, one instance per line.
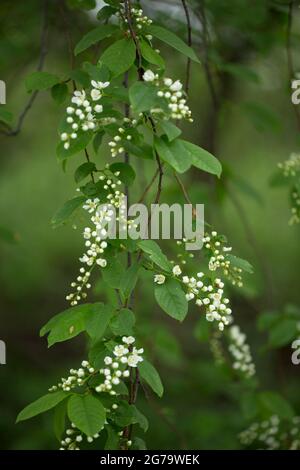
206 64
43 53
162 415
142 198
190 43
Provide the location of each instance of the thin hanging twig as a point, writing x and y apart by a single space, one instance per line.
43 52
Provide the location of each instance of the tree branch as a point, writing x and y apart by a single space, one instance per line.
43 52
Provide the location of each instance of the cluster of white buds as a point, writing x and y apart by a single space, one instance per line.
85 112
240 351
291 166
138 19
74 438
95 236
273 434
210 295
76 378
295 219
117 144
118 365
218 252
173 93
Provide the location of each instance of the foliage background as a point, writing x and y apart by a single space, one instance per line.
253 128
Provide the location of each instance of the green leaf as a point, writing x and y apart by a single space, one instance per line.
127 173
120 56
173 40
174 153
123 322
70 323
5 115
171 299
113 438
64 213
97 322
59 92
113 273
266 320
143 96
151 376
273 403
129 280
94 36
59 420
105 13
156 255
141 150
202 159
97 72
150 55
84 170
41 81
87 413
98 141
283 332
125 414
240 263
76 145
81 77
170 130
141 419
41 405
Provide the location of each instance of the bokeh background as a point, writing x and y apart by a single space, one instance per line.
249 124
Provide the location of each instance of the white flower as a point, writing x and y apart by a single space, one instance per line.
177 86
168 82
120 350
96 94
159 279
128 339
107 360
148 76
98 108
100 85
134 359
176 270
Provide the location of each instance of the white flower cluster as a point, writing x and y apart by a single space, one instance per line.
295 219
210 295
218 252
240 351
273 434
117 144
74 438
76 378
95 236
137 15
172 92
291 166
205 293
117 366
85 113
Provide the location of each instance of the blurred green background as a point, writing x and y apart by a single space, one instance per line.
252 128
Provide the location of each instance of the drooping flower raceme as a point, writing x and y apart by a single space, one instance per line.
273 434
102 213
291 171
240 351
